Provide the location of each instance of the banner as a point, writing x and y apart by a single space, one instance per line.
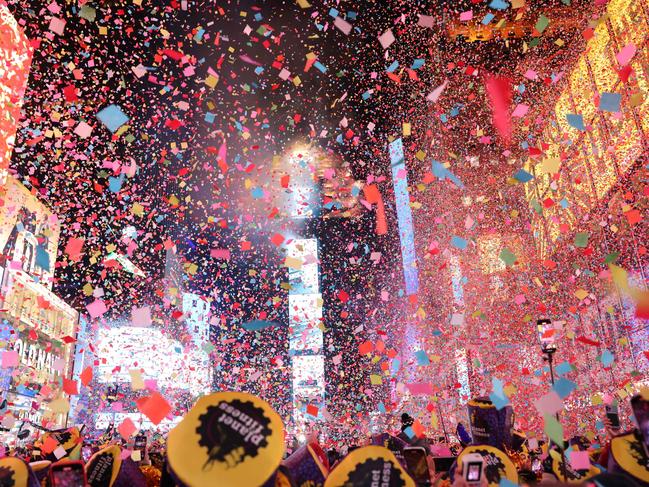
29 233
15 61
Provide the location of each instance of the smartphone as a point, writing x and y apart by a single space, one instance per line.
86 452
68 474
140 444
613 415
473 465
443 464
640 407
417 465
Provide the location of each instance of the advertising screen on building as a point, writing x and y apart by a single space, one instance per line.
15 61
29 233
121 349
38 326
404 217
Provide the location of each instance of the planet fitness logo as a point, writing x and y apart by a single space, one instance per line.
232 432
100 470
375 472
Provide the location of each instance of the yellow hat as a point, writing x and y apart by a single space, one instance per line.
226 439
369 465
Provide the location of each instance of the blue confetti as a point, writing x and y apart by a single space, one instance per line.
459 243
499 5
488 18
112 117
523 176
610 102
256 325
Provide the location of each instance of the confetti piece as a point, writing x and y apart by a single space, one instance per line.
112 117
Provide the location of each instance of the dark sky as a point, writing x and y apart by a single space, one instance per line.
171 144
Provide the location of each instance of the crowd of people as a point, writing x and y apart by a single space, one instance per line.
237 439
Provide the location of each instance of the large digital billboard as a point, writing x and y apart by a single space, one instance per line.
404 217
120 349
15 61
38 326
306 339
41 326
29 233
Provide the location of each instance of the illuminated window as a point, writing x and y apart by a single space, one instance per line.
563 108
641 70
628 21
602 165
582 91
580 193
540 235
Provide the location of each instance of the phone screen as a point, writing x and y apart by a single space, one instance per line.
417 465
613 415
474 471
69 476
140 444
86 453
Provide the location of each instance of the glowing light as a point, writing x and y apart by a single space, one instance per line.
163 359
462 371
305 335
197 313
457 281
404 217
15 61
594 161
600 59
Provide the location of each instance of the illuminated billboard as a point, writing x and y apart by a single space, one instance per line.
38 362
304 324
39 327
43 315
120 349
29 233
404 217
305 334
598 157
15 61
196 310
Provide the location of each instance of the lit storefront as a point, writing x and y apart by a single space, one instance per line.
35 324
577 173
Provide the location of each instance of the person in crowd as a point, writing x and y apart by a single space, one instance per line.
408 435
463 435
180 460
